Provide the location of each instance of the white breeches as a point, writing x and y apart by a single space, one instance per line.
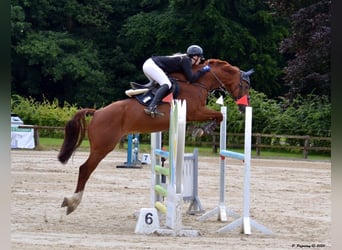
153 72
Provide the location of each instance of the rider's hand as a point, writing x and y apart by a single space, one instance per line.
206 68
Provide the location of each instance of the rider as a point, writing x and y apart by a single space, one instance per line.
157 67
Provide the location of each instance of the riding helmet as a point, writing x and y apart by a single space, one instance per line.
194 50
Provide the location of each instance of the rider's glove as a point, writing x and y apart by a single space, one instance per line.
206 68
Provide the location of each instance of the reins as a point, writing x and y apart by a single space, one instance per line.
223 88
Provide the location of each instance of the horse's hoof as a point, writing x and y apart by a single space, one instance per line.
72 202
197 132
70 208
65 202
208 130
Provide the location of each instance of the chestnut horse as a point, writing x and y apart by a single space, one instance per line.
109 124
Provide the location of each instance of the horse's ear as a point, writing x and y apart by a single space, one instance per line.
249 72
245 75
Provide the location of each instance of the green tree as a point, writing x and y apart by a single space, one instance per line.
308 46
59 67
87 52
53 55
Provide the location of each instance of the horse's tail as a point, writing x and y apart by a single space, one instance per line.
74 134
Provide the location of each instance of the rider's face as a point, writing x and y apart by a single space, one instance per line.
195 60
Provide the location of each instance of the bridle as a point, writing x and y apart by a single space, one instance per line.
243 77
240 85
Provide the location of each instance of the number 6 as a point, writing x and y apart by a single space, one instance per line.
149 218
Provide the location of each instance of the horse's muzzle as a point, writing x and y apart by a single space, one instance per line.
242 108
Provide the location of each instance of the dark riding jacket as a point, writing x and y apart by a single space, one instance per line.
178 64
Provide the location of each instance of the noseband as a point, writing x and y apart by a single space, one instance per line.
222 87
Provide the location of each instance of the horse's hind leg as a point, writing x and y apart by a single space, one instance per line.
85 171
72 202
104 133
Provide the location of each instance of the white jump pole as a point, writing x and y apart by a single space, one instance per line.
176 160
221 210
174 197
245 222
156 142
148 221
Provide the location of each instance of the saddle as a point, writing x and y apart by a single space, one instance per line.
144 93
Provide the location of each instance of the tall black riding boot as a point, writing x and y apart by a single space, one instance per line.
160 94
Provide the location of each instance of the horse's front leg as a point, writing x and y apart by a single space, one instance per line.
206 129
205 114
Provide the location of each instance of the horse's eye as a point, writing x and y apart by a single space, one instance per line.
245 85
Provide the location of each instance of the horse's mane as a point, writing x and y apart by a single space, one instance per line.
224 65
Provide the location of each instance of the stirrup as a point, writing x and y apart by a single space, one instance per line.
153 112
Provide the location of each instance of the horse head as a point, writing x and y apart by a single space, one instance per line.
229 78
